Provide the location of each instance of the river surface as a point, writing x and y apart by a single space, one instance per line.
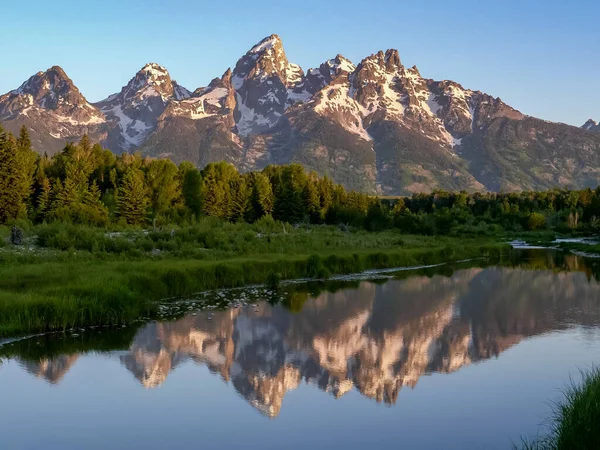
453 357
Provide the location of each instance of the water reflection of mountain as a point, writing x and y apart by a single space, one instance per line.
52 370
376 338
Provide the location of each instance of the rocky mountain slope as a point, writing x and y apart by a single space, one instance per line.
377 126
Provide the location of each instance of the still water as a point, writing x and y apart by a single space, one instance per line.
462 357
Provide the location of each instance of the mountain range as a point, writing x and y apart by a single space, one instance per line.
377 126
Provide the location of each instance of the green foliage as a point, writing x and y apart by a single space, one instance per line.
133 198
17 166
273 281
316 267
192 191
85 184
576 418
240 199
216 192
261 196
163 183
536 221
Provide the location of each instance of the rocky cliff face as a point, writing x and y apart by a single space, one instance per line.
377 126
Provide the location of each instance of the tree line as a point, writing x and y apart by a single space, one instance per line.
87 184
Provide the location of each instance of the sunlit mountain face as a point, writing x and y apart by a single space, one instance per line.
375 338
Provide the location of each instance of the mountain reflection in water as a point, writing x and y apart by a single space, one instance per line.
376 338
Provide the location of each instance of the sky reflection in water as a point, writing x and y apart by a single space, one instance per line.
470 359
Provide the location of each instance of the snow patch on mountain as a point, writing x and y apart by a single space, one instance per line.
179 92
591 125
215 96
297 97
250 120
431 105
336 101
340 64
133 131
266 44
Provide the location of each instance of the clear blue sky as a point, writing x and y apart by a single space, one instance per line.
542 57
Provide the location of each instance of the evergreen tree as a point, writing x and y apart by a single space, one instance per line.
325 187
216 191
162 179
133 198
261 196
289 201
43 200
312 201
192 190
10 203
17 166
24 141
239 199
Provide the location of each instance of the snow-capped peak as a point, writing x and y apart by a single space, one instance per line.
54 81
267 43
155 75
590 124
155 70
151 81
52 90
341 64
140 103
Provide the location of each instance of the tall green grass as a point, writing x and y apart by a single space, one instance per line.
214 239
576 420
81 292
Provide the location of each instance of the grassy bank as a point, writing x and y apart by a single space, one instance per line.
48 288
576 418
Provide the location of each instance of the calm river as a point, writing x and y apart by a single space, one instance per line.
455 357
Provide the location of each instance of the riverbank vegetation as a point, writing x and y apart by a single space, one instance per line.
60 289
575 421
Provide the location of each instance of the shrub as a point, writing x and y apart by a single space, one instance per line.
273 281
536 221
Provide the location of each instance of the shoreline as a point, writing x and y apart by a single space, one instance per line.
57 296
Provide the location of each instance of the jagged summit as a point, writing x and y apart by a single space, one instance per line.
53 108
591 125
151 80
270 42
154 69
139 104
265 59
265 84
50 88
